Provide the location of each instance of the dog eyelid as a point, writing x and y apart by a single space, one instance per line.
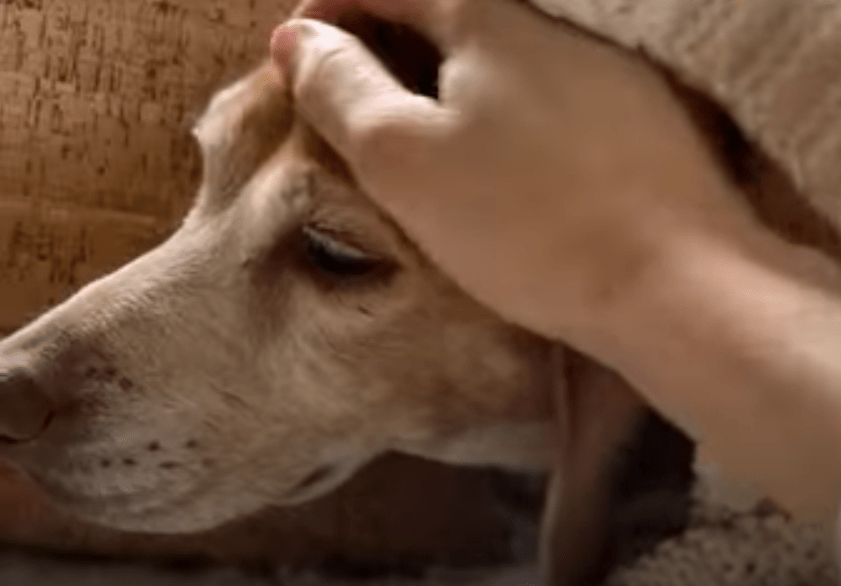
333 244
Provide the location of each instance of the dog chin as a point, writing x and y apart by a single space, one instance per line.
149 513
163 520
180 518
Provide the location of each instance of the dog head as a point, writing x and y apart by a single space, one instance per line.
285 335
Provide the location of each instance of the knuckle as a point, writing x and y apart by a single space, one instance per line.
322 49
394 136
312 73
325 57
456 14
383 142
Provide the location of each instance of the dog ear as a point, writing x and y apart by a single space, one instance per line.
243 125
602 416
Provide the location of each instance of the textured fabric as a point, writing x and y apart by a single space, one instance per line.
723 546
773 65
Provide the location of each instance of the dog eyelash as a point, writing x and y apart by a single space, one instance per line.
333 245
336 258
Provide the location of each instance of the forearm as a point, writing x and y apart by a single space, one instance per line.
744 352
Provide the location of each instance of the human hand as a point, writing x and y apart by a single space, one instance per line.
550 178
559 181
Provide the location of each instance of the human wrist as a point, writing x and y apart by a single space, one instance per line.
688 271
725 334
691 277
668 278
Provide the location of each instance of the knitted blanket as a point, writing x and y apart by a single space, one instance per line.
759 546
772 64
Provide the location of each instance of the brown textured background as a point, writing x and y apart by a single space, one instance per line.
96 100
97 165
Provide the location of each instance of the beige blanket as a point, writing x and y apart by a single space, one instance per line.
772 64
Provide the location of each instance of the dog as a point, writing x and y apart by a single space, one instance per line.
288 333
284 336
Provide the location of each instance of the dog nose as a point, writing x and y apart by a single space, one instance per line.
25 409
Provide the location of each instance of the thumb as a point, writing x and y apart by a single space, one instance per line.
351 99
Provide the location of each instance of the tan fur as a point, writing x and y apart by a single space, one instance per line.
222 372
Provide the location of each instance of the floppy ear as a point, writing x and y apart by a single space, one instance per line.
602 414
241 127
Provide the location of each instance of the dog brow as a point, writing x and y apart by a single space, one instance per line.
239 130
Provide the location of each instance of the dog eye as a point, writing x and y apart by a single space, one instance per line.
335 258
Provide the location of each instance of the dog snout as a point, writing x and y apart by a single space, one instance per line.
25 409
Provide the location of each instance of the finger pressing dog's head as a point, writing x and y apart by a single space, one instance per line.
286 334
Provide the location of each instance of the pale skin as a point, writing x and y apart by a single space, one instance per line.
559 182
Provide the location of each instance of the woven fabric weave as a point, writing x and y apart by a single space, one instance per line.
773 65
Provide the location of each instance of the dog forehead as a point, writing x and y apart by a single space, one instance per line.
278 169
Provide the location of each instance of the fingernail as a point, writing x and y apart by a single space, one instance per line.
284 39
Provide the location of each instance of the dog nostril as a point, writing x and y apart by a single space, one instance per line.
25 410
